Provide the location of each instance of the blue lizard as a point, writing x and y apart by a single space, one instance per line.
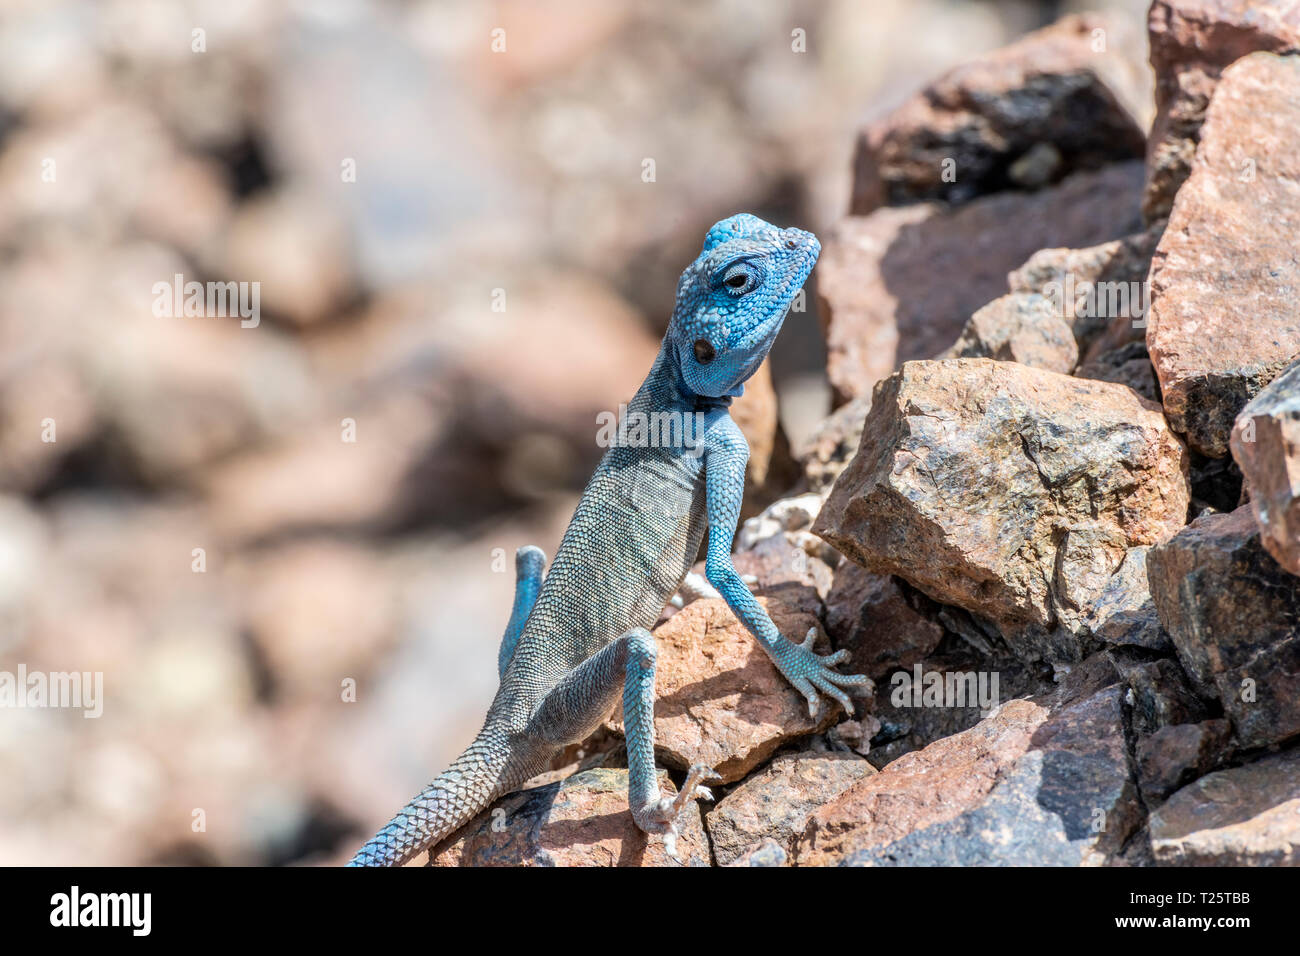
579 635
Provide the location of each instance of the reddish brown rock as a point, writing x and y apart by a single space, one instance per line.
1021 327
1043 781
774 803
719 700
1233 614
882 301
869 614
1245 816
1020 117
582 820
1266 444
1191 43
1179 753
1011 492
1227 260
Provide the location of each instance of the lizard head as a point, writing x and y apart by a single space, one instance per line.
732 299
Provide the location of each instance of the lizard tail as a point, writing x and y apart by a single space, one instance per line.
454 797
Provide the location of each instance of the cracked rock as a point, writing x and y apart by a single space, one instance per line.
1011 492
1233 614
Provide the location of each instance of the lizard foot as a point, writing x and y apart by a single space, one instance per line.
813 675
660 816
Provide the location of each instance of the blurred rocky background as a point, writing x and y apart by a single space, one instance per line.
462 260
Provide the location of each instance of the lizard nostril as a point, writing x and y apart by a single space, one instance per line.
792 243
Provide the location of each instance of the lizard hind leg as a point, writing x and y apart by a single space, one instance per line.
584 698
653 811
530 562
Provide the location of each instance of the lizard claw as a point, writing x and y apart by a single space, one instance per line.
661 816
813 675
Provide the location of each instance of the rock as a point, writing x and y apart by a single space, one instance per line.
1124 614
1234 616
773 804
296 246
771 468
880 303
870 615
719 700
767 853
1159 694
1266 444
1100 291
1191 43
1245 816
1011 492
1022 327
1043 781
832 444
582 820
1179 753
973 685
1228 256
1216 484
1020 117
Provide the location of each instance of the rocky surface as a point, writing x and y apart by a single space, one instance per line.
1041 781
1176 754
719 700
1191 43
1245 816
1023 117
1230 245
881 303
772 805
1023 489
1266 444
541 827
1234 615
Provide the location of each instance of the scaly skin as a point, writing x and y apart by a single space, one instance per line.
580 638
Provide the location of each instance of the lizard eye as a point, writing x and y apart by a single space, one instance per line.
740 278
703 351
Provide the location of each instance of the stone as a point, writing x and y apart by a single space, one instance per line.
1192 41
832 444
719 700
773 803
771 468
880 302
1021 327
1159 694
582 820
870 615
1124 614
1042 781
1175 755
1233 614
1266 444
1011 492
1228 256
1020 117
1100 291
1243 816
767 853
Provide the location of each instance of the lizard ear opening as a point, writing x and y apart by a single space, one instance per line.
704 353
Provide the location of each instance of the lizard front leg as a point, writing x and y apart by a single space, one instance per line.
726 453
585 696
